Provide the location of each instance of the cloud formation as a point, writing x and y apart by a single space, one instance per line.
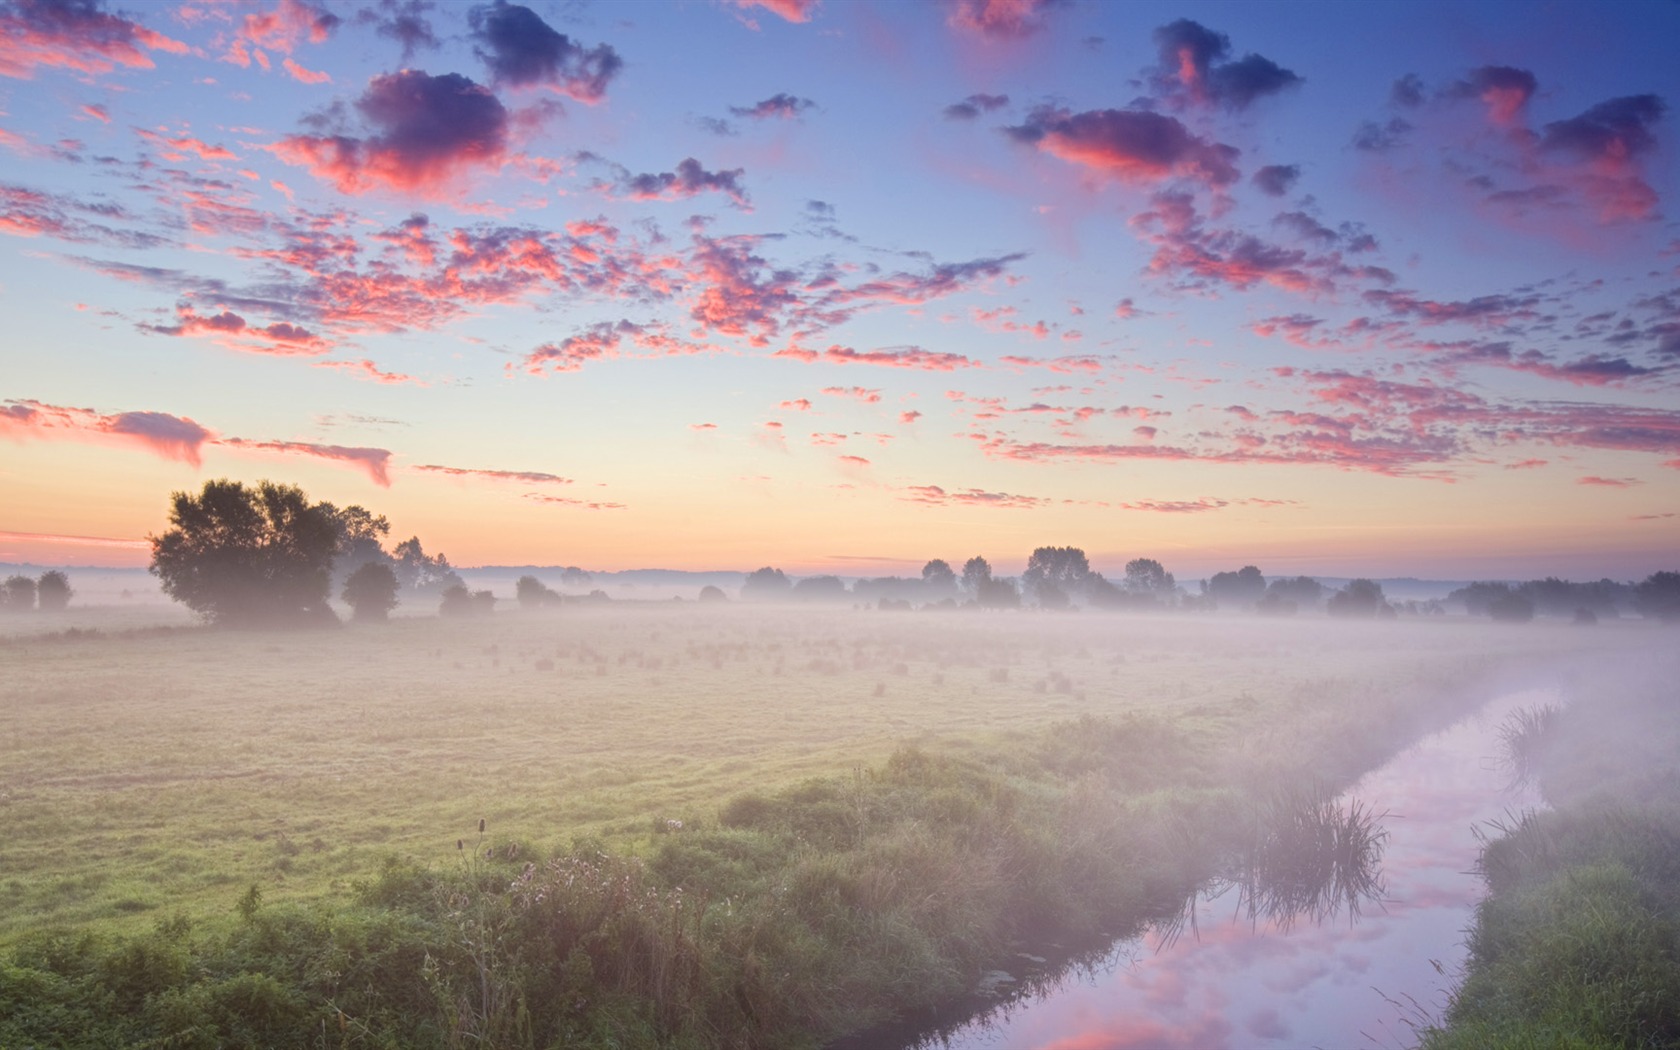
172 437
1134 146
424 134
1000 19
1195 68
522 50
77 35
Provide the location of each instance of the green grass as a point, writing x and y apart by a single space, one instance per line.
872 807
1578 941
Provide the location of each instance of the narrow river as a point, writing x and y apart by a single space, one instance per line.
1358 981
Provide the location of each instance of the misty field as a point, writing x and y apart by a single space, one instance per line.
158 770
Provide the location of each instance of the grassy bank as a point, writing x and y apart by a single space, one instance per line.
1578 941
701 830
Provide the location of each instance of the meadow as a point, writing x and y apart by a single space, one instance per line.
160 774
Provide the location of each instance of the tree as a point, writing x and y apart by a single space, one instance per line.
766 584
1658 597
53 591
421 575
1146 578
1285 596
976 572
938 580
361 536
1360 599
371 591
17 594
572 576
532 592
710 593
1240 589
247 557
1053 573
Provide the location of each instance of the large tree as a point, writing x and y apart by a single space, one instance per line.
248 557
1658 597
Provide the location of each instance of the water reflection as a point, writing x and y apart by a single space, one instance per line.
1339 924
1308 856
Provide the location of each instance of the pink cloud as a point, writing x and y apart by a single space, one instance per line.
528 477
425 134
1133 146
909 417
854 461
177 148
566 501
798 404
796 11
910 357
169 436
999 19
859 393
230 330
79 37
1611 483
305 76
368 370
374 461
935 495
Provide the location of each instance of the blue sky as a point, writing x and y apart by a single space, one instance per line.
1350 289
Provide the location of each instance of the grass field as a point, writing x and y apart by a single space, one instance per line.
170 768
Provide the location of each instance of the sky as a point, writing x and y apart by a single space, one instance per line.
1341 289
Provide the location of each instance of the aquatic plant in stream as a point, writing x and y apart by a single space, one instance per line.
1524 735
1305 855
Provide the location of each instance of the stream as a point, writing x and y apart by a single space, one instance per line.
1237 970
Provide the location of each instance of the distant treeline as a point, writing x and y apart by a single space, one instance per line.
264 555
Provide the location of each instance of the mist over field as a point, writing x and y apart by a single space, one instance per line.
863 790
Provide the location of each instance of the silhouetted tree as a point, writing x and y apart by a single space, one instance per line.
361 536
938 580
1658 596
709 593
17 594
53 591
1285 596
1147 579
1054 573
572 576
245 557
420 574
1360 599
532 592
371 591
483 603
976 572
766 584
1238 589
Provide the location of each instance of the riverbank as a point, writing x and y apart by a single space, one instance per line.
1578 941
785 912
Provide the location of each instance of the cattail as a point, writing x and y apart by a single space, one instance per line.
460 844
481 825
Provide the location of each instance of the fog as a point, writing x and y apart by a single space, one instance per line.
156 767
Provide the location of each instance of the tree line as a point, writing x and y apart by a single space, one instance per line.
266 555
